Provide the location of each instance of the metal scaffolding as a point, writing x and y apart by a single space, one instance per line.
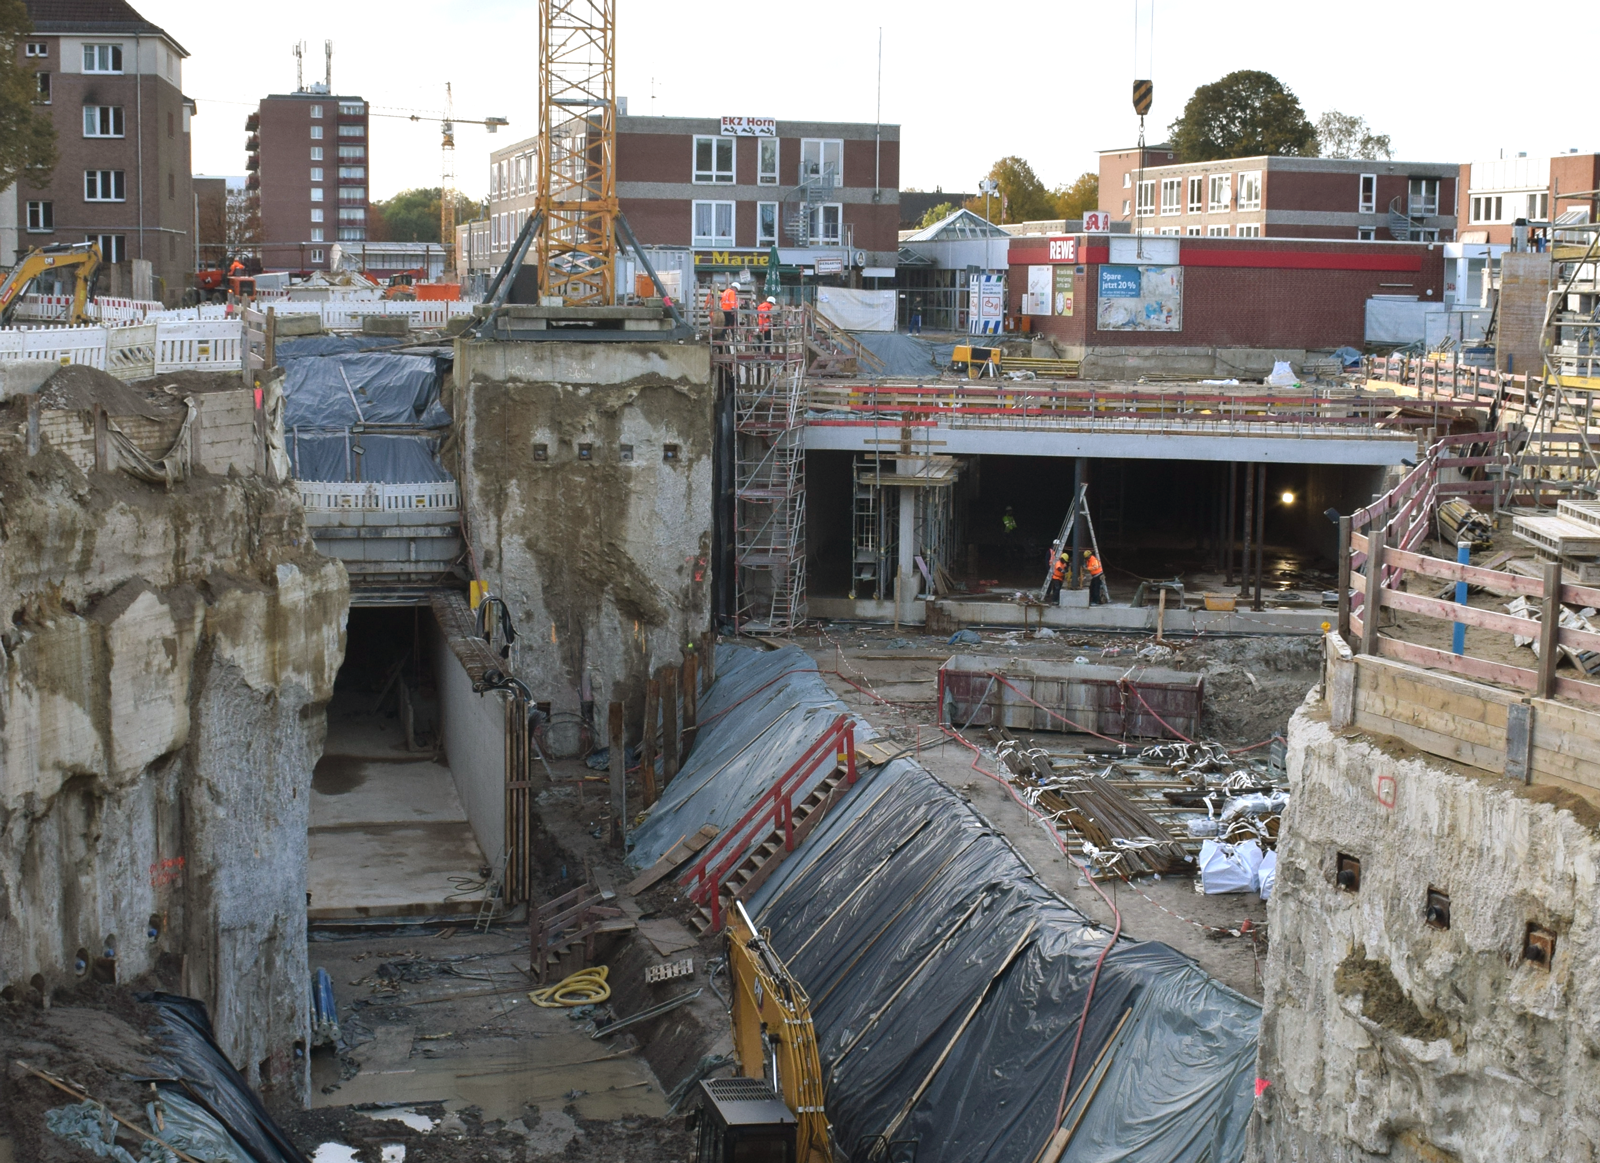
577 150
764 370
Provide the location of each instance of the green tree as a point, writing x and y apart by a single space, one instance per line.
937 213
1342 135
27 136
1244 114
1073 200
413 216
1021 197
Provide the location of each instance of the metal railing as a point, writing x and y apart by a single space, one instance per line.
438 497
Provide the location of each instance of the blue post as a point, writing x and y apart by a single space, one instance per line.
1463 557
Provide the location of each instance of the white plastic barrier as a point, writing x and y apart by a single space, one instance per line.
202 345
101 309
84 344
136 352
328 496
131 351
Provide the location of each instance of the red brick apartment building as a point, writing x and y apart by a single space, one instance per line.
1279 197
1100 290
112 83
1559 189
733 188
309 160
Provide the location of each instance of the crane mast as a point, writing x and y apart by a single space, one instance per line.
577 197
447 182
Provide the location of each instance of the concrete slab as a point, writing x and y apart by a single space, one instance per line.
346 790
387 870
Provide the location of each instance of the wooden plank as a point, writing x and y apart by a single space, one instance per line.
1549 630
1464 665
1495 581
1451 612
1568 731
1578 690
1444 745
675 856
1370 606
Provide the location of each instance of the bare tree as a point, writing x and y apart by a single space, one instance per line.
1342 135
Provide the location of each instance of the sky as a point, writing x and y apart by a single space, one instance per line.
1049 82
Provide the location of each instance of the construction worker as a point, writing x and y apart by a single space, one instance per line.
1058 574
1009 521
730 310
713 322
1097 581
764 320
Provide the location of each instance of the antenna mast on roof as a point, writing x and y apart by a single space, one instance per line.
299 67
327 53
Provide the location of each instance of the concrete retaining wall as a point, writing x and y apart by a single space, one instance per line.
474 728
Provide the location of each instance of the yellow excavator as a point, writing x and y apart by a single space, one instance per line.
82 258
773 1112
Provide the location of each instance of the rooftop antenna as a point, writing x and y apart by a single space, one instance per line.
299 67
327 53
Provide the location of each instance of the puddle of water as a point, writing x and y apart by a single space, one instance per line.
334 1153
393 1153
546 1072
413 1119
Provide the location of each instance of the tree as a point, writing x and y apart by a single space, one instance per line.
1021 197
937 214
1081 196
413 216
1244 114
242 223
1341 135
27 136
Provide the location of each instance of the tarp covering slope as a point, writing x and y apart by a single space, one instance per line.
765 709
946 981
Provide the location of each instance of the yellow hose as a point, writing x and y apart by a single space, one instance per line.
585 987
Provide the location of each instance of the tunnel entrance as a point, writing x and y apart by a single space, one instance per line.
390 833
1154 520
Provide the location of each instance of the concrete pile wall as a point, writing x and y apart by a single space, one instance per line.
164 661
1385 1037
604 561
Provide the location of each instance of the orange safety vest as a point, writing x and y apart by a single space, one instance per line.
1058 572
730 300
1092 565
764 315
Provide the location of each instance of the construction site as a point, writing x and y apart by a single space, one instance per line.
620 717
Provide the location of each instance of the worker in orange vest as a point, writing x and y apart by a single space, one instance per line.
1058 574
730 310
711 308
764 320
1097 580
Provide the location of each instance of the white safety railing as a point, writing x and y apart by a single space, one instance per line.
330 496
136 352
202 345
42 308
84 344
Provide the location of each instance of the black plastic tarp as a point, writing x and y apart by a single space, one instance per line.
906 915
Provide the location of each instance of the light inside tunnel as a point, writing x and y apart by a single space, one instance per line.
1287 498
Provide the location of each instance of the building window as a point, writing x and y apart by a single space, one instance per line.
316 214
1169 230
1250 190
352 234
713 223
352 131
316 193
316 234
1171 195
1425 235
352 214
172 186
104 186
316 153
357 172
316 112
316 133
1192 231
826 224
766 223
102 58
1221 197
41 83
351 108
1538 207
1216 232
41 215
1127 180
102 121
170 132
316 255
1423 197
316 173
1369 194
1127 207
37 48
1249 230
352 193
767 161
1366 234
1146 198
113 247
822 156
1197 186
352 153
713 159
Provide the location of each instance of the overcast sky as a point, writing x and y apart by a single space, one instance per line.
967 83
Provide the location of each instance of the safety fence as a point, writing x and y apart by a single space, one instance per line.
103 309
320 496
1437 378
133 352
1177 410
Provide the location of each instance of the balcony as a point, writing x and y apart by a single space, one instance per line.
252 123
253 162
253 144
